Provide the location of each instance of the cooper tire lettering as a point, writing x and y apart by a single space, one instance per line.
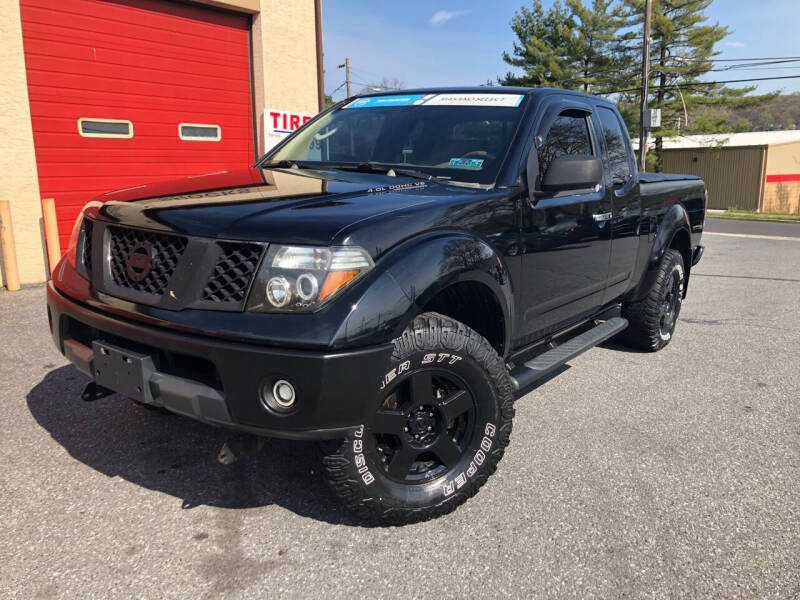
359 459
477 460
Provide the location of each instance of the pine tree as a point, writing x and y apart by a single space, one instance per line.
595 46
571 46
541 46
683 45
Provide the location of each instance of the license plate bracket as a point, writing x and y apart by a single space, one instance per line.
124 371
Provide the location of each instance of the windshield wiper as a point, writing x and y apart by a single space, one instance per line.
363 167
288 164
368 167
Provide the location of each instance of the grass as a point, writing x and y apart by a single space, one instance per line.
753 215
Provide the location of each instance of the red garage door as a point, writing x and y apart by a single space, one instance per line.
126 92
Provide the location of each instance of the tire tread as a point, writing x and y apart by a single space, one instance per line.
643 316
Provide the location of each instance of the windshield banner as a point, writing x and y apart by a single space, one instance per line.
438 100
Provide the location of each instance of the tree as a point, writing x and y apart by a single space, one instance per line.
595 47
573 46
541 46
781 112
681 54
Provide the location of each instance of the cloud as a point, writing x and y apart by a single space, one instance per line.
445 15
735 44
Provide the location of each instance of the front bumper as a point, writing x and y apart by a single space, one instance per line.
219 382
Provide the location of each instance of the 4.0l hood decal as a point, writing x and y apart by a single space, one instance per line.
287 206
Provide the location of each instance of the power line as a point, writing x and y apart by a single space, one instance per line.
365 74
702 83
338 88
588 76
741 59
754 65
371 73
760 69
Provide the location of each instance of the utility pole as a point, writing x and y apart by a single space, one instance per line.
645 81
346 66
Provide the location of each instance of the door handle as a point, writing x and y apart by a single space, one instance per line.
602 217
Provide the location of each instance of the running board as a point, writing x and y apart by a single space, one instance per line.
545 363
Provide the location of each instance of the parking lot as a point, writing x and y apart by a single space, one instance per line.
629 475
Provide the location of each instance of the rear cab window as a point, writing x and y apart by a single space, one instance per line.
618 156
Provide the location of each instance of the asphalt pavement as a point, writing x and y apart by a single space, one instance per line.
629 475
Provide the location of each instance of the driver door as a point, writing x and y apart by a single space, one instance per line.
566 242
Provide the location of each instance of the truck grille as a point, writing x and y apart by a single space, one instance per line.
230 279
170 271
162 254
86 255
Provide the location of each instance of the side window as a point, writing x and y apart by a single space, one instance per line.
618 159
568 135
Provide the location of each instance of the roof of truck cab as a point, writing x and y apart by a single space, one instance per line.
450 90
482 89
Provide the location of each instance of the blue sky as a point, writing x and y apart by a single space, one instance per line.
433 42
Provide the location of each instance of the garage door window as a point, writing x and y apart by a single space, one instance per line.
105 128
199 132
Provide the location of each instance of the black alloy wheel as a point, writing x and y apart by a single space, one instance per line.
424 425
670 304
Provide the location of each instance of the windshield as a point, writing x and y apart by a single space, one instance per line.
460 137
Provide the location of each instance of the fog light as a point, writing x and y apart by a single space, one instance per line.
283 393
279 396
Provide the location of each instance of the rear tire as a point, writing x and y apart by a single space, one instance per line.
441 423
652 319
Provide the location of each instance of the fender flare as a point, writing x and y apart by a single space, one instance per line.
412 273
674 219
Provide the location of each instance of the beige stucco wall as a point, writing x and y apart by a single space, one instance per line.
284 52
783 159
782 196
284 58
19 184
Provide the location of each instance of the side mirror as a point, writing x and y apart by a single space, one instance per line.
572 172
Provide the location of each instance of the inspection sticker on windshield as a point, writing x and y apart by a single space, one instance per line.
467 163
479 99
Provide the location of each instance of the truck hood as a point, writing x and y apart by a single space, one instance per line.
286 206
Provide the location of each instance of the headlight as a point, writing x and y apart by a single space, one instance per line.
302 278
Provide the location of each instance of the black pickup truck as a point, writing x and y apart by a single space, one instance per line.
387 280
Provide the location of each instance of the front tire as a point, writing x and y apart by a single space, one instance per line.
652 319
440 425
